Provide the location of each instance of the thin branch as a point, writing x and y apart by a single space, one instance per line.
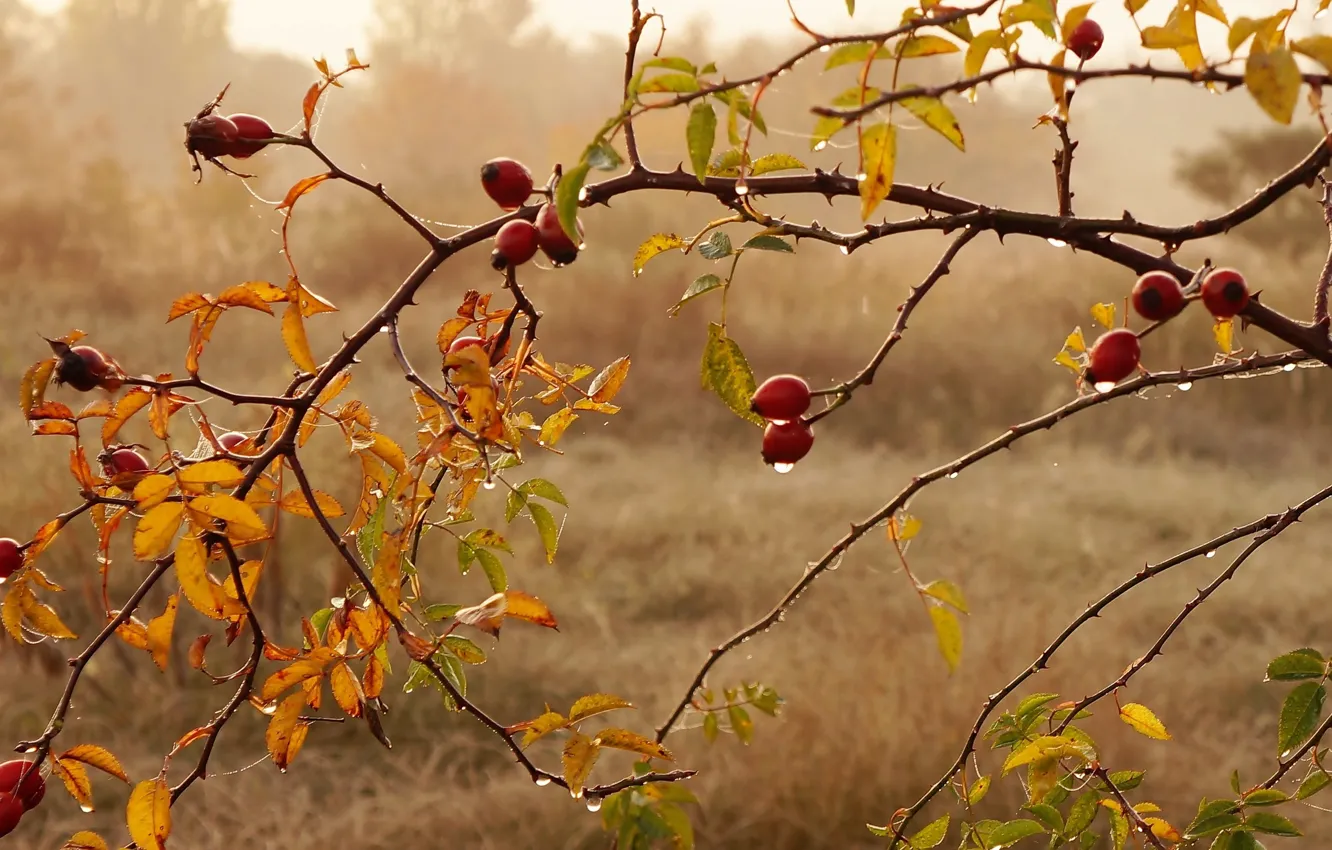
414 378
636 24
1249 365
1127 808
212 389
376 189
1320 316
917 294
1063 160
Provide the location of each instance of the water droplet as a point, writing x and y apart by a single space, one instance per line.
1056 463
85 808
282 770
820 146
741 189
952 475
1058 243
1289 367
1211 554
783 468
489 484
577 795
825 48
1185 387
383 329
29 749
270 708
2 581
862 177
594 804
1103 386
582 194
1320 14
542 781
779 421
846 250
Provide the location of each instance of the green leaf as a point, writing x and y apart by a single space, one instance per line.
946 591
488 538
566 199
978 791
701 285
1237 841
850 7
1312 784
1048 816
1088 840
768 242
513 505
547 528
1040 14
1299 715
931 835
319 620
726 372
657 243
1265 797
775 162
1013 832
675 63
1213 817
466 651
878 159
936 115
700 136
741 725
710 726
662 83
854 53
948 632
678 821
603 157
1119 829
1081 815
1272 824
1127 780
1296 665
494 569
441 611
924 45
1032 702
542 489
728 163
466 555
717 246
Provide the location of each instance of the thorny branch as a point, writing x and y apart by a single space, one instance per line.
1320 316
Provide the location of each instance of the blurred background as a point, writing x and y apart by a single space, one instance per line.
677 534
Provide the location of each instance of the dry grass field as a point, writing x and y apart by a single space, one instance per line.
677 535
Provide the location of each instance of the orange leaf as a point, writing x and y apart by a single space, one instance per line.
526 607
42 539
32 389
195 582
159 632
54 428
75 778
281 728
309 103
298 344
346 690
78 465
298 671
372 682
295 502
304 185
130 403
51 410
85 840
243 295
134 633
159 414
197 651
607 383
43 619
449 331
97 757
149 814
623 739
580 755
186 304
266 291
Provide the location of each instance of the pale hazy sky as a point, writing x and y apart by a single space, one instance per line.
309 28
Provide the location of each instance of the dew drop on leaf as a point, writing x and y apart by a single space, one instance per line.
85 808
820 146
270 708
594 804
1058 243
1103 386
1185 387
542 781
783 468
576 794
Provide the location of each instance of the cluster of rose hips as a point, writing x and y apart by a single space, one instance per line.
239 136
509 184
17 797
782 400
1157 296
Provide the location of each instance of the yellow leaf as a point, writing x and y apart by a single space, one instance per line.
281 729
1163 830
192 573
221 472
1104 314
1273 79
132 402
526 607
657 243
11 611
1073 17
623 739
97 757
345 689
387 450
1075 341
1146 808
1316 47
1064 359
159 632
74 776
925 45
133 633
149 814
1047 746
298 671
85 840
152 491
946 591
250 572
1141 718
1212 9
978 49
449 331
607 383
295 502
156 529
540 727
878 158
594 704
1042 775
948 633
904 529
43 619
938 117
298 345
555 426
580 754
243 523
1223 331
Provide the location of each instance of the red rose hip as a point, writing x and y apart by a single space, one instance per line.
211 136
82 367
784 443
507 182
551 238
231 439
1114 357
11 557
126 461
781 398
515 244
1157 296
1086 39
463 341
33 789
11 812
250 131
1225 293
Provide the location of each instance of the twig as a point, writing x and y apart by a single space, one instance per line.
1320 316
1129 812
